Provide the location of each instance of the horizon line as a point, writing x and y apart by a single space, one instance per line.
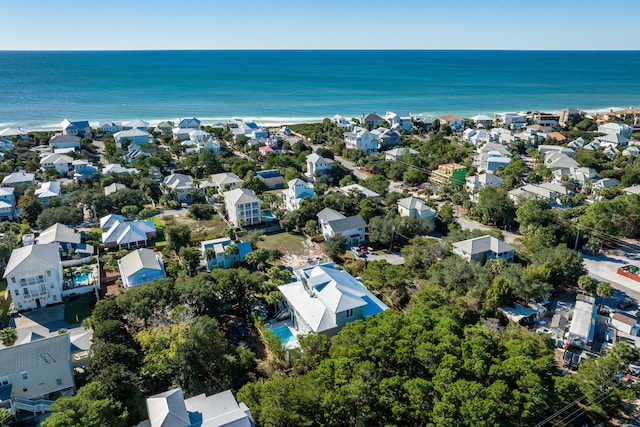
319 50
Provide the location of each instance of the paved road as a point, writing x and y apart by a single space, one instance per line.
468 224
603 268
357 171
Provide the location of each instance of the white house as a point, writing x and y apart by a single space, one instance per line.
399 152
298 191
136 124
180 186
140 267
318 166
482 249
118 233
243 207
34 276
371 119
626 323
247 128
417 208
456 123
226 181
47 191
198 135
492 156
110 127
112 188
324 299
171 409
333 222
118 168
76 128
133 136
181 134
35 372
399 120
361 139
482 119
342 122
616 128
60 141
10 132
219 256
60 162
189 123
511 119
487 179
7 203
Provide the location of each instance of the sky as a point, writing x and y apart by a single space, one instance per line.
315 24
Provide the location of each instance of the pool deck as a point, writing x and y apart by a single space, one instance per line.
272 325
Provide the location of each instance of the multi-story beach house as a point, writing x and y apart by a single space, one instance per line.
324 299
417 208
217 255
179 186
34 276
333 223
297 191
361 139
482 249
60 162
60 141
36 371
47 191
136 124
7 203
243 207
80 129
318 166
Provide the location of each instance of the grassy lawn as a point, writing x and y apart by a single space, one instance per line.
288 243
76 309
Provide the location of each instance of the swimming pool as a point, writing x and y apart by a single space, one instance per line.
82 278
269 217
286 337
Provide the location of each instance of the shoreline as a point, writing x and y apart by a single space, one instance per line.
264 121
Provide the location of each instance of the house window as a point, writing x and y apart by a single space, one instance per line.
48 273
25 375
58 382
4 381
25 389
25 292
55 297
13 280
349 313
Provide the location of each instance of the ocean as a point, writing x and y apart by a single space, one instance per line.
39 89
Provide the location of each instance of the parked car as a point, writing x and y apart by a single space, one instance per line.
625 304
364 250
357 251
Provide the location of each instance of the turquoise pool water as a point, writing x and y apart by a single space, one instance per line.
285 336
82 279
269 217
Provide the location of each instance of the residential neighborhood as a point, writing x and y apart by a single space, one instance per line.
157 247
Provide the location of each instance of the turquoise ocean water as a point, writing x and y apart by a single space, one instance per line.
39 89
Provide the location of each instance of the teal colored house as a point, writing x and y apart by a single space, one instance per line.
140 267
219 257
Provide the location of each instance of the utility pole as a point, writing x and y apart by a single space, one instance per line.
393 230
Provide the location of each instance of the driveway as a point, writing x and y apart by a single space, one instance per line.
392 258
46 322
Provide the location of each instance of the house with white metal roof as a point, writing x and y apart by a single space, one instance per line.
62 163
18 178
583 323
118 233
76 128
399 152
226 181
243 207
140 267
66 237
133 136
484 248
9 132
180 186
361 139
324 299
170 408
35 372
417 208
333 222
359 189
47 191
34 276
297 191
136 124
7 203
61 141
317 166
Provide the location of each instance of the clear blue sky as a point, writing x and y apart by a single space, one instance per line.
315 24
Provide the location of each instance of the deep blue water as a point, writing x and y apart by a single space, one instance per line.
39 89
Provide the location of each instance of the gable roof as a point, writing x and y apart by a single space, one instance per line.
372 117
328 214
348 223
48 189
45 255
415 203
140 259
110 220
359 188
112 188
220 179
18 178
34 354
58 233
168 409
128 232
240 196
317 159
179 181
483 244
56 159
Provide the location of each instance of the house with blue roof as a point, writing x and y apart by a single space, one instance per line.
324 299
216 254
